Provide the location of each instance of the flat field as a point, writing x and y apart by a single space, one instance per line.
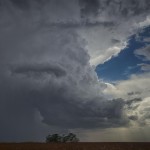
75 146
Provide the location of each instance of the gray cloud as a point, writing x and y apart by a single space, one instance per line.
45 69
88 115
89 7
126 8
146 39
115 41
138 111
23 4
126 16
143 53
81 24
144 67
38 70
135 100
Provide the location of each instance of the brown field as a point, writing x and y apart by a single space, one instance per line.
75 146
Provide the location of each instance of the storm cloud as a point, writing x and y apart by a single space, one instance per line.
38 70
47 52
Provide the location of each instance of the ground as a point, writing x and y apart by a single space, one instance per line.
75 146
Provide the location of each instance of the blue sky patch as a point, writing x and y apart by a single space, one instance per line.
126 63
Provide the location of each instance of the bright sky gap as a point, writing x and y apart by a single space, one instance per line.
126 62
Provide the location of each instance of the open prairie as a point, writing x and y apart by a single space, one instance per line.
75 146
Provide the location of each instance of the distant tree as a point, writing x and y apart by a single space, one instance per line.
70 138
55 138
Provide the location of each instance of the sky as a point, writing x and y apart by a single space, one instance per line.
126 62
80 66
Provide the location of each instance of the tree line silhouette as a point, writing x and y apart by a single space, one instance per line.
56 138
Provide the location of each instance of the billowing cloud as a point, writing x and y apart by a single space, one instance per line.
135 92
63 85
131 88
47 49
126 16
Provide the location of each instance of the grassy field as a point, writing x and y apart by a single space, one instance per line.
75 146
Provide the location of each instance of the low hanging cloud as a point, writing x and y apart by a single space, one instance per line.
66 87
38 70
46 51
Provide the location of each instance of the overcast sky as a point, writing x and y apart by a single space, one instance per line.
79 66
